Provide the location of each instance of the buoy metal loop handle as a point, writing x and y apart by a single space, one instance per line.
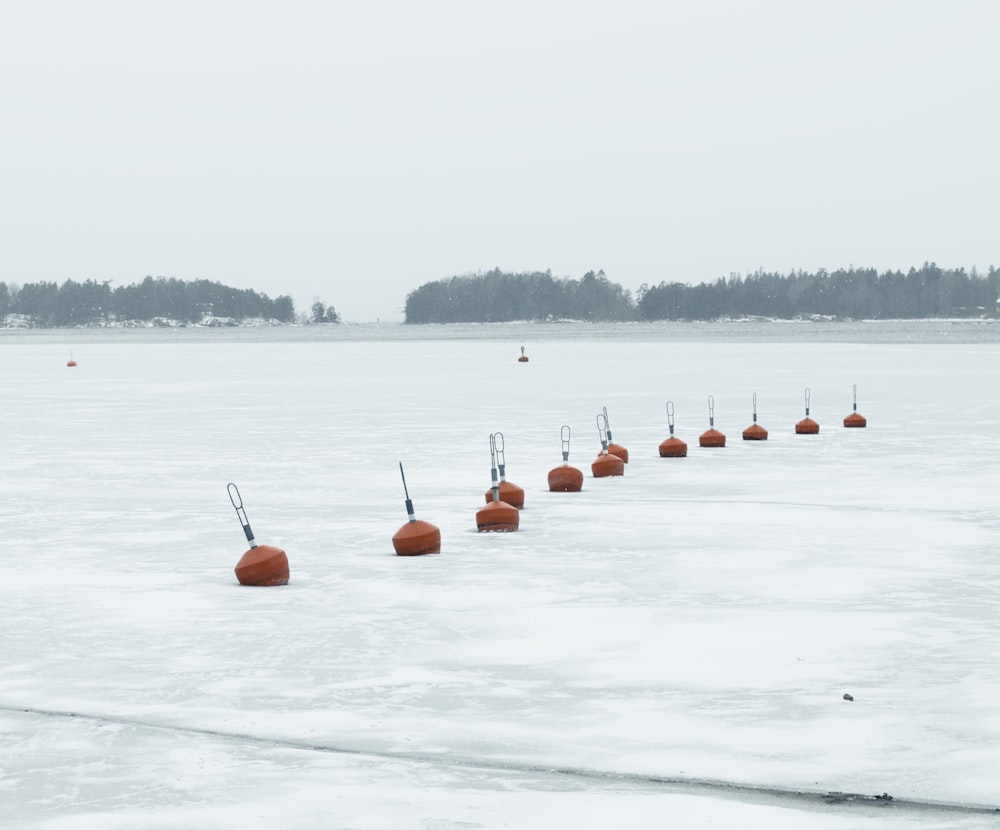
234 497
855 397
493 470
501 460
755 407
670 417
807 401
564 435
607 424
711 411
602 431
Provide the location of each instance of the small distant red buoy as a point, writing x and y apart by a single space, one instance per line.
416 537
523 358
613 448
509 492
807 426
673 447
855 419
755 432
711 437
262 565
71 362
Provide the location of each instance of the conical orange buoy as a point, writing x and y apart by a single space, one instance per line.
523 358
262 565
498 516
807 426
613 448
509 492
564 478
673 447
416 537
606 464
755 432
711 437
855 419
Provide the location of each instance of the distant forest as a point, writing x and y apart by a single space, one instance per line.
854 293
95 303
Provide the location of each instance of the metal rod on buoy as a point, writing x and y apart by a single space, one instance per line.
602 432
855 397
564 435
607 425
495 486
670 417
755 407
711 411
234 497
807 401
501 459
409 503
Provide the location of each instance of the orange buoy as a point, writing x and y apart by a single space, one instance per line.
755 432
855 419
498 516
416 537
607 463
613 448
509 492
807 426
672 447
711 437
564 478
262 565
71 362
523 358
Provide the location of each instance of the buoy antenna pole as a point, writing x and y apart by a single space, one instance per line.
602 431
493 470
807 401
409 504
711 411
855 397
501 458
670 417
564 434
607 424
755 407
234 497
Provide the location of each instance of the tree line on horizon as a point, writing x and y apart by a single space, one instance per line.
47 304
854 293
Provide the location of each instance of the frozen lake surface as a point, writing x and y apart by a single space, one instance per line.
667 648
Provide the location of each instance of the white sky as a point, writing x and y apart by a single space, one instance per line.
352 152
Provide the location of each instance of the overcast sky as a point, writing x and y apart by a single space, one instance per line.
350 152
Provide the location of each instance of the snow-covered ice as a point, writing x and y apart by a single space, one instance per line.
671 647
